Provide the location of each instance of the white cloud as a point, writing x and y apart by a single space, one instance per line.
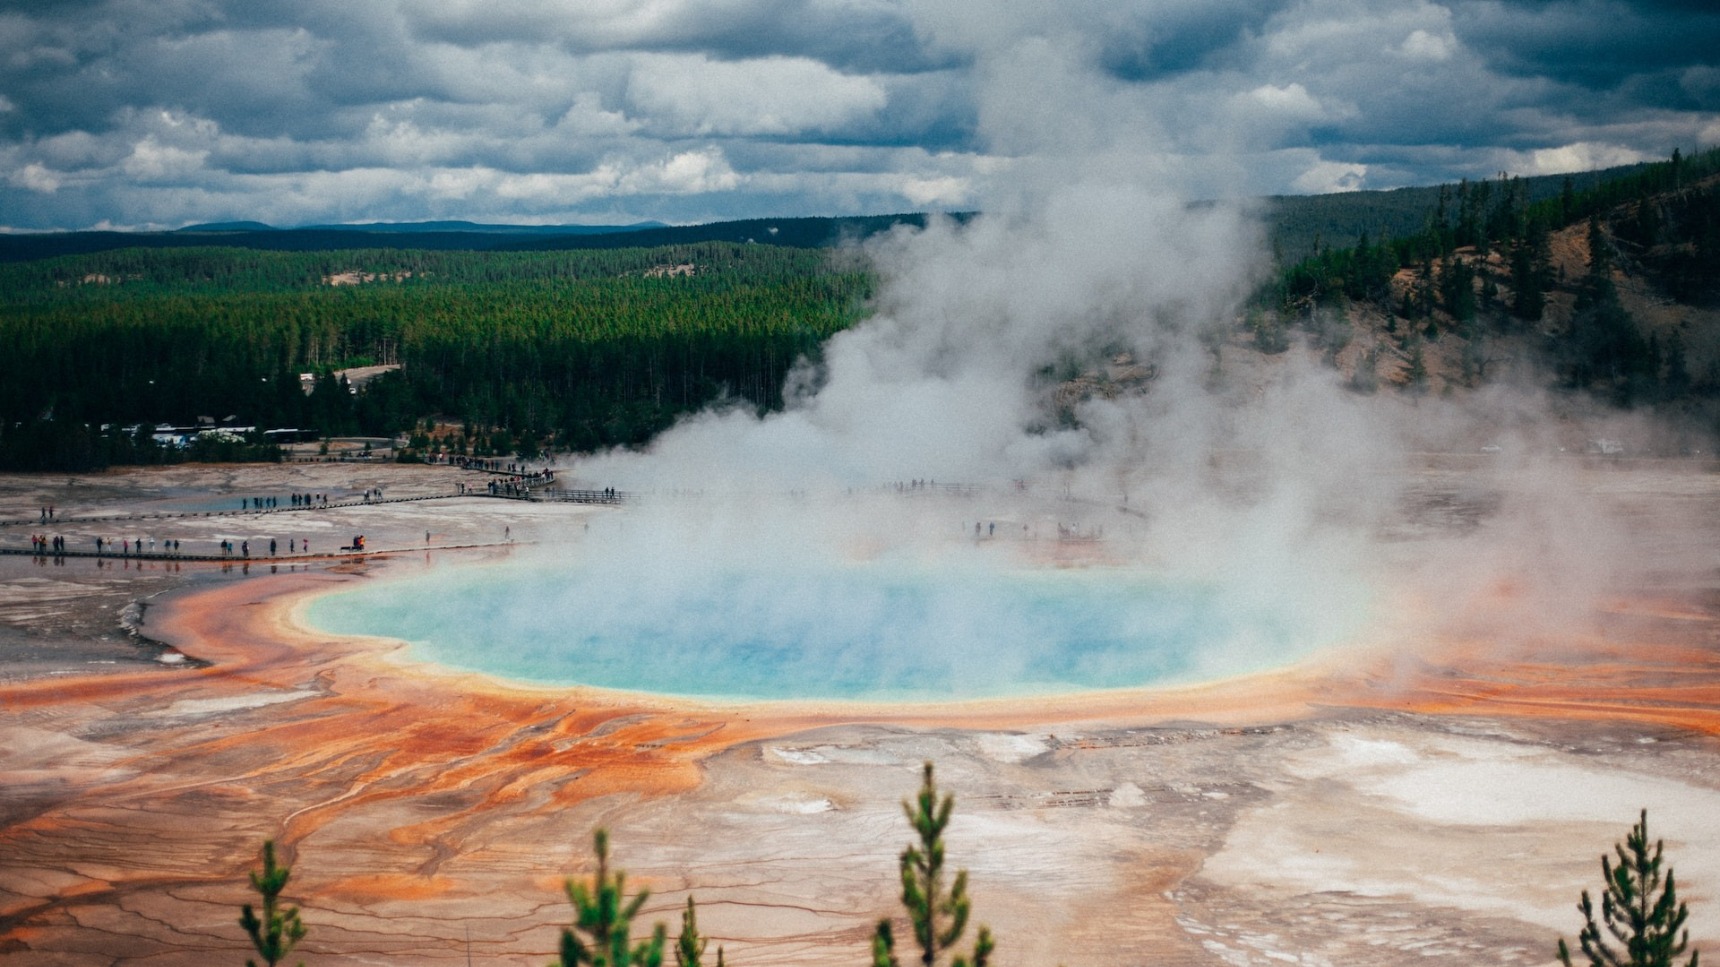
1325 177
1265 116
150 160
36 177
687 173
692 94
488 189
1581 156
1291 101
587 118
405 143
942 193
696 109
1422 45
461 183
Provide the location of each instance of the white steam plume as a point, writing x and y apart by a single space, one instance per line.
1262 477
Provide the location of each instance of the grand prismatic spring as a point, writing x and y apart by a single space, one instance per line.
877 631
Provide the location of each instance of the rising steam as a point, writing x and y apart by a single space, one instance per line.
1262 478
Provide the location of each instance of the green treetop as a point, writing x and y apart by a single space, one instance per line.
937 914
1641 915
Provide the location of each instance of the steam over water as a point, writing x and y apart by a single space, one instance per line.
867 630
1080 348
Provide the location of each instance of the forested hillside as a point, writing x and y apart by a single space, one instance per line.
1301 225
568 349
1613 291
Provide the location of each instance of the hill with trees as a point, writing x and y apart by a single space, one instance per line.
512 340
1612 291
1302 225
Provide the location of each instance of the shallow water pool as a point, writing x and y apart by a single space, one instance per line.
841 631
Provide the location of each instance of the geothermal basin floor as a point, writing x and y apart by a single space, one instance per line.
1442 805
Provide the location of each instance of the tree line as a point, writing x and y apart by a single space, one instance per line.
576 349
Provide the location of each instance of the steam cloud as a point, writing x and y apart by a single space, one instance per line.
1262 477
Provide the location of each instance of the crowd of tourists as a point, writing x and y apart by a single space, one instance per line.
509 479
56 544
296 500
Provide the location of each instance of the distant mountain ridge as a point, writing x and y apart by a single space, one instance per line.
415 228
462 236
1298 225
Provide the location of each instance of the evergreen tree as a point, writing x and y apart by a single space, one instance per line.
1675 383
1415 374
1643 917
1424 290
1457 288
1530 261
938 915
603 919
277 931
1606 346
691 945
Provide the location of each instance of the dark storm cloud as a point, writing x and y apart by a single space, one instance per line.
162 112
857 37
1597 44
1155 43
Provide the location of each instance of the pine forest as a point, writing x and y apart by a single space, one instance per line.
571 349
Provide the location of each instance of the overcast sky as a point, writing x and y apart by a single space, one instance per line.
160 113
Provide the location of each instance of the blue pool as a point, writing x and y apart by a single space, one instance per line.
836 631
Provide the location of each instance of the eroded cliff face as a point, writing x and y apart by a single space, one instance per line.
1409 340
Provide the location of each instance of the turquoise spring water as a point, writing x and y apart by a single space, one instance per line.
842 631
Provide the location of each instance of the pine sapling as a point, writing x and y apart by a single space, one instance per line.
1641 916
938 915
277 931
603 920
690 947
